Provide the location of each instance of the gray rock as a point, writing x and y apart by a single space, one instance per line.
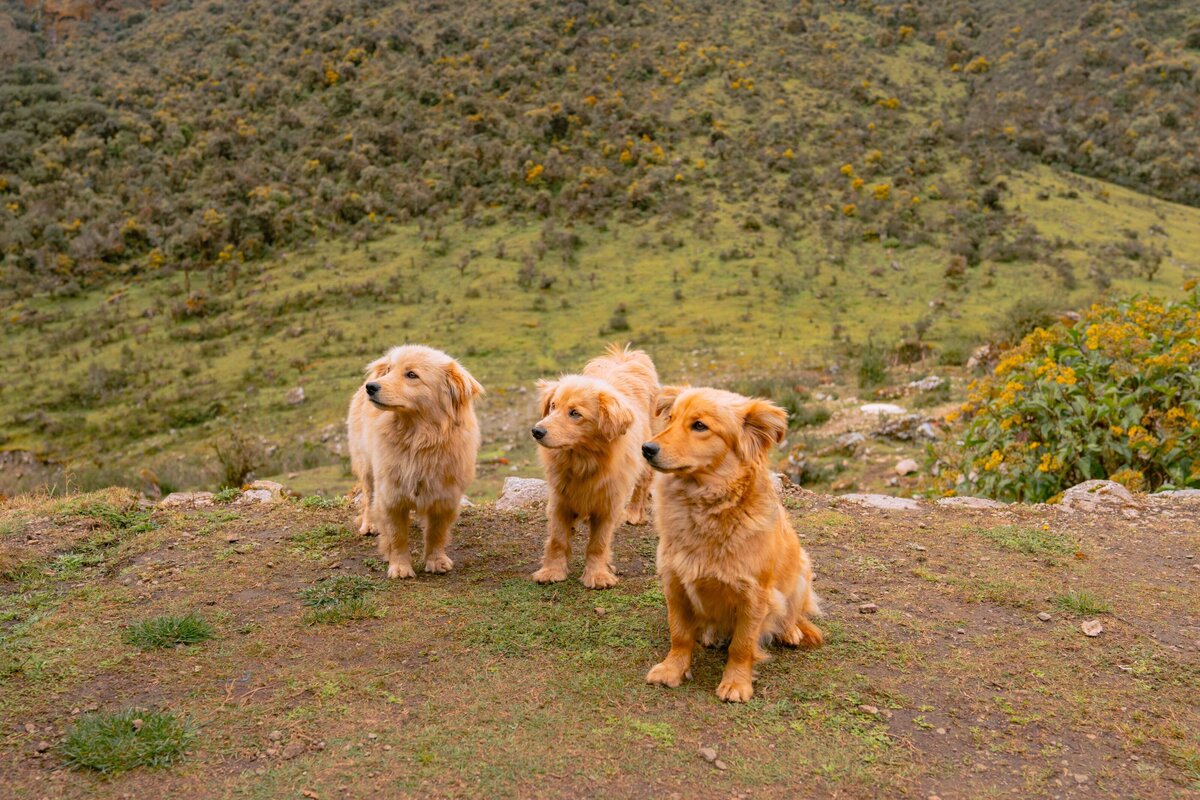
927 384
850 443
1097 496
522 493
295 396
261 492
883 501
708 754
1044 616
868 608
1171 495
906 466
187 500
970 502
877 409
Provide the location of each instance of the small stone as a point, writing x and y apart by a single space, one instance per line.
233 537
961 631
295 396
719 764
600 611
868 608
293 749
1044 616
906 466
137 724
1081 778
1092 627
275 736
940 731
42 746
867 709
372 735
708 754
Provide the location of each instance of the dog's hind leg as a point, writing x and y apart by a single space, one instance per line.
558 544
798 631
393 540
437 536
597 569
636 513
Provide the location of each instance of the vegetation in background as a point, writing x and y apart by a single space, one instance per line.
1115 395
169 631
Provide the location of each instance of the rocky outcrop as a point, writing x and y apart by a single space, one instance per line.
521 493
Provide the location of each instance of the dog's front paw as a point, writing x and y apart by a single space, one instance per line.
363 525
735 690
636 517
399 570
551 573
439 563
599 579
664 674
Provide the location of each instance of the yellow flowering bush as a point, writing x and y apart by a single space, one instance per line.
1115 395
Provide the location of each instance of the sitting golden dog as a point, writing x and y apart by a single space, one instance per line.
591 433
413 439
731 565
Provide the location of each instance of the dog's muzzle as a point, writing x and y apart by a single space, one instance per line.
650 450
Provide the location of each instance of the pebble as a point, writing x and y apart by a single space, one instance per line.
138 723
868 608
600 611
719 764
1081 778
233 537
1043 616
708 754
43 746
275 736
961 631
1092 627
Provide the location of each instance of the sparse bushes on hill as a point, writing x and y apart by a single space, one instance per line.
1115 395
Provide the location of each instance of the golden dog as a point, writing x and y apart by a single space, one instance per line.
413 439
730 563
591 432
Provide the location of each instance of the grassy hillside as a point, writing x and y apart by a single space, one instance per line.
209 205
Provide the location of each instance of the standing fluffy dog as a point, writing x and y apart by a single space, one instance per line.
731 565
591 432
413 440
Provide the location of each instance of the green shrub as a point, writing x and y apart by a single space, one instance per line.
1116 395
168 631
872 366
116 743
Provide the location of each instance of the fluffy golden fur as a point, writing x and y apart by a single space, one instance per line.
413 440
731 565
591 432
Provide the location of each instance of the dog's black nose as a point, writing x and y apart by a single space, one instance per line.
650 450
372 389
538 433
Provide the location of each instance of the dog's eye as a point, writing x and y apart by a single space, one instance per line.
699 426
574 413
411 374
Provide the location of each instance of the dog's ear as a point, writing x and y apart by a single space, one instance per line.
546 391
378 368
665 399
462 386
764 425
614 417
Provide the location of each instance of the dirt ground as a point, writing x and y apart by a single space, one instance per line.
482 683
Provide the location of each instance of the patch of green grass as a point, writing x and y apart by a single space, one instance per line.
319 502
129 520
1083 603
1029 540
872 366
227 495
168 631
659 732
116 743
319 540
340 599
519 617
343 611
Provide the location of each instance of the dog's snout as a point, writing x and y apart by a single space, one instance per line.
650 450
372 389
539 433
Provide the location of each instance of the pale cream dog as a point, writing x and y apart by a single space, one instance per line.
591 433
413 439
